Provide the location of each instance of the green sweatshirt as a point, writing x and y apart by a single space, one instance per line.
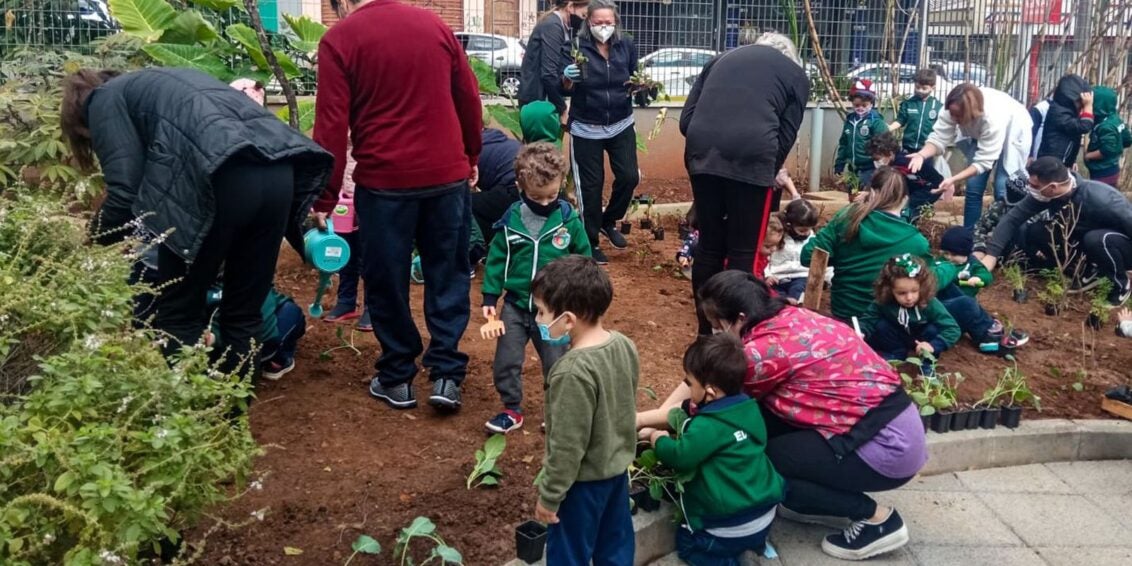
857 264
855 136
915 318
1109 136
516 255
591 408
948 273
725 445
917 116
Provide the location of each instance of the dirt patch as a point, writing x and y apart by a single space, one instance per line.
340 464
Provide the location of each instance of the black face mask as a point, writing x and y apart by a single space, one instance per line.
576 21
542 210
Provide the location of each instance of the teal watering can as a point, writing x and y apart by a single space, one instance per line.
328 253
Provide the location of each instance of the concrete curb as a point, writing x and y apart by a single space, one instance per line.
1035 442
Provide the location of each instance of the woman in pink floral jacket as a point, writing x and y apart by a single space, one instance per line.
839 423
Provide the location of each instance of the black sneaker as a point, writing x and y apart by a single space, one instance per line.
1118 296
864 540
615 238
1088 280
599 256
445 395
505 422
397 396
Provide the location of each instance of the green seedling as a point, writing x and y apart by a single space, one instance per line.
424 528
486 472
364 544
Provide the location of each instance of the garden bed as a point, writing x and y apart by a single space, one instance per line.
339 464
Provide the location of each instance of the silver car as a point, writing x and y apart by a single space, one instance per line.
504 54
677 67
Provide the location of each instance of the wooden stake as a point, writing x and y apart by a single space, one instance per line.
816 283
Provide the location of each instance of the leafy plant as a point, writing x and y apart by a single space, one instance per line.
851 181
660 480
936 391
364 544
1054 291
485 471
1016 391
1014 276
340 333
642 82
1098 301
424 528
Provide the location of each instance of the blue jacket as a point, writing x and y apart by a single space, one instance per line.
497 161
602 98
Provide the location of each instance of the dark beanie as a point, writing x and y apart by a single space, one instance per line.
957 240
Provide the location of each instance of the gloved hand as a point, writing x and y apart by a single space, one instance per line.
572 72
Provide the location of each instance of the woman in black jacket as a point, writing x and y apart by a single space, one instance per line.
214 177
601 121
740 121
1069 117
548 52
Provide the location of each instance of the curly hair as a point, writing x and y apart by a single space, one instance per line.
884 144
775 224
896 268
538 165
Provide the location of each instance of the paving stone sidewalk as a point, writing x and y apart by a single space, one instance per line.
1061 514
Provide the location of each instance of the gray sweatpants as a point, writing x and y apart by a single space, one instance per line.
510 351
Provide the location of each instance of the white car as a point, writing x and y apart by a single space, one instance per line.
504 54
881 76
676 67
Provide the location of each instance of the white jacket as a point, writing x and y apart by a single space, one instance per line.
1004 132
786 264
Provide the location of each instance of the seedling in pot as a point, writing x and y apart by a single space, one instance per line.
580 60
1017 280
851 182
626 227
1016 393
485 472
933 394
646 222
1099 312
658 233
1053 294
652 482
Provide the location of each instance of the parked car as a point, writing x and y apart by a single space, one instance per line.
959 72
881 76
676 67
504 54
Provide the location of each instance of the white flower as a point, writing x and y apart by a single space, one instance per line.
162 433
214 374
92 342
48 538
88 264
257 485
161 342
125 404
259 514
110 558
107 313
3 318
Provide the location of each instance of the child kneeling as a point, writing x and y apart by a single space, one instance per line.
905 318
730 503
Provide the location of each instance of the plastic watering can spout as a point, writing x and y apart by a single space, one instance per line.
328 253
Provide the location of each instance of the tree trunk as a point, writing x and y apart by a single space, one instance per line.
269 54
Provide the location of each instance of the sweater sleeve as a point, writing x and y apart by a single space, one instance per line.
902 114
331 122
825 239
551 64
466 96
944 132
946 272
694 97
979 270
579 241
1069 123
1109 142
790 120
949 332
568 432
693 448
990 143
868 321
843 151
494 270
1007 228
121 155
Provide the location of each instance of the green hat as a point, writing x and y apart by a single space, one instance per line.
539 122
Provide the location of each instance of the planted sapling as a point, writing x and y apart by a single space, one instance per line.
1099 312
486 472
423 528
364 544
1053 294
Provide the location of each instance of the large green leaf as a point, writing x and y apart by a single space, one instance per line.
421 526
188 28
448 554
307 33
147 19
192 56
247 39
220 5
507 118
485 75
306 115
366 545
494 446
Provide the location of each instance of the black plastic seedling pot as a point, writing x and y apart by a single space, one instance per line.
1020 295
927 420
1011 416
658 233
530 540
626 227
1051 310
640 495
646 224
989 418
941 422
1093 321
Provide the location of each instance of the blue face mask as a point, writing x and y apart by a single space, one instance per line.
544 334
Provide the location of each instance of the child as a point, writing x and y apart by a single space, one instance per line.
538 229
886 151
917 115
772 242
345 225
691 237
960 277
283 326
590 418
785 273
1108 140
735 489
860 126
861 238
905 317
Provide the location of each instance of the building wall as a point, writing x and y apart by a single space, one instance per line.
451 11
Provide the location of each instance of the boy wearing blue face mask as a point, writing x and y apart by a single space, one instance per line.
590 419
538 229
861 125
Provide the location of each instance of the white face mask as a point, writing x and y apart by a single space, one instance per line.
863 111
878 163
603 32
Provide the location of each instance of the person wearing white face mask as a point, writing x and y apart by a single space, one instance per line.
1101 220
860 127
601 122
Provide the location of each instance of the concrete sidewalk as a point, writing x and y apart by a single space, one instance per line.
1058 514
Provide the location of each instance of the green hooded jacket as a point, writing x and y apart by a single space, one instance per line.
857 264
1109 136
515 256
917 116
950 274
724 446
852 152
916 317
539 121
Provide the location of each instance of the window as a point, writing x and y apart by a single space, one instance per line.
668 59
480 43
701 59
498 44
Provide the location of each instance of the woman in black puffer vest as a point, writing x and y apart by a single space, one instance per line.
601 121
215 177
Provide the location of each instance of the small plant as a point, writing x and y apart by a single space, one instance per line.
851 181
1014 277
364 544
1016 391
1054 292
1099 312
579 59
424 528
643 89
660 481
485 472
932 391
340 332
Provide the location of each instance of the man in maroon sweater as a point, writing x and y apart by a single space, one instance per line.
395 77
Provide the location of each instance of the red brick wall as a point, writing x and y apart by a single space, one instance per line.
451 11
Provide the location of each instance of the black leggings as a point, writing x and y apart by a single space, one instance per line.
252 202
589 163
817 481
731 217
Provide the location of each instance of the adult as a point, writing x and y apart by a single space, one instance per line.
1097 217
601 122
1069 117
838 421
396 78
739 132
497 191
997 134
215 177
548 52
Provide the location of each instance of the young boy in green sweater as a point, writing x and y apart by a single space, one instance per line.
730 502
535 231
590 419
860 127
1108 140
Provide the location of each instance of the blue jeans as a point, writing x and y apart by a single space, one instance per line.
705 549
594 523
349 274
291 324
971 317
892 342
977 187
439 224
793 288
